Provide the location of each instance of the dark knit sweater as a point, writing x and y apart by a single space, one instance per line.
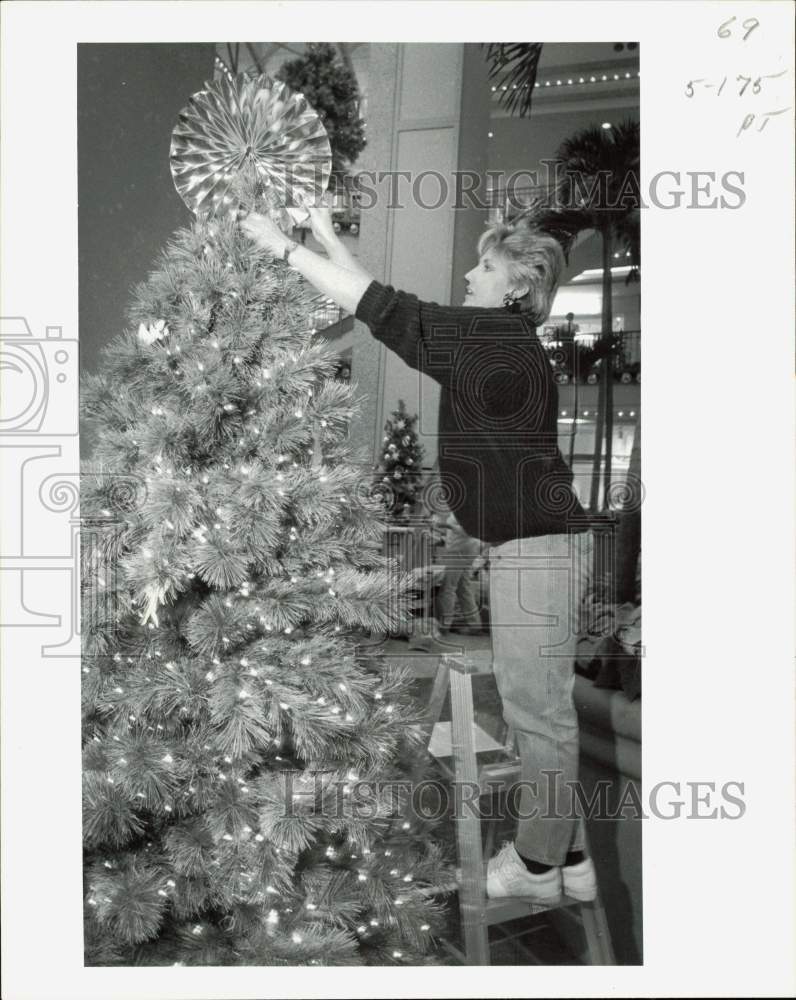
498 412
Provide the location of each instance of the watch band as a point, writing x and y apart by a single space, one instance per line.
292 245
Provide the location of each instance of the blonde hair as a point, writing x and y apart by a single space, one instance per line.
533 257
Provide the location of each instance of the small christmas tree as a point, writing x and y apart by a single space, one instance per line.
401 468
232 564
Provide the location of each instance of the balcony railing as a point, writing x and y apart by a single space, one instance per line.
574 359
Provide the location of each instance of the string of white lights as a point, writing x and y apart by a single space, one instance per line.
572 82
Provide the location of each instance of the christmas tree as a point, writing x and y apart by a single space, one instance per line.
401 467
240 759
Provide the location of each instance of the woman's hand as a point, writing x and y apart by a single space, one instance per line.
265 233
320 215
320 220
321 223
346 285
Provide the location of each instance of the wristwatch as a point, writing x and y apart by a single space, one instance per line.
292 245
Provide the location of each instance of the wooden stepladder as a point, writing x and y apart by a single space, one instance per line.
461 742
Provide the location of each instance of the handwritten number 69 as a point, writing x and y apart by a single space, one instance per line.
749 24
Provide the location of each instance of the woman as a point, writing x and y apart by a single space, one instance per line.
498 454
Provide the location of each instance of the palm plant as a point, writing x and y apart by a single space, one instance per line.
600 170
602 194
599 193
513 66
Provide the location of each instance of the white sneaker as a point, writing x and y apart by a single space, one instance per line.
506 875
580 881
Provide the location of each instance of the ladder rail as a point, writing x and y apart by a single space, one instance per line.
472 903
478 913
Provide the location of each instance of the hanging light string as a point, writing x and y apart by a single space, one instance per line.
575 81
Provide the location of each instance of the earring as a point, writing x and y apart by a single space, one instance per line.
511 302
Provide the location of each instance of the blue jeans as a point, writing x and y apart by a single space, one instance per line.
458 583
536 590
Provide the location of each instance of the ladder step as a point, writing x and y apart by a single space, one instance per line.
498 911
441 743
512 908
476 663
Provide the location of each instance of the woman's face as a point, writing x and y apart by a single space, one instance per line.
487 283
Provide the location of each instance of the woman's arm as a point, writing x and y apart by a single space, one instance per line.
428 337
338 253
323 231
345 286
